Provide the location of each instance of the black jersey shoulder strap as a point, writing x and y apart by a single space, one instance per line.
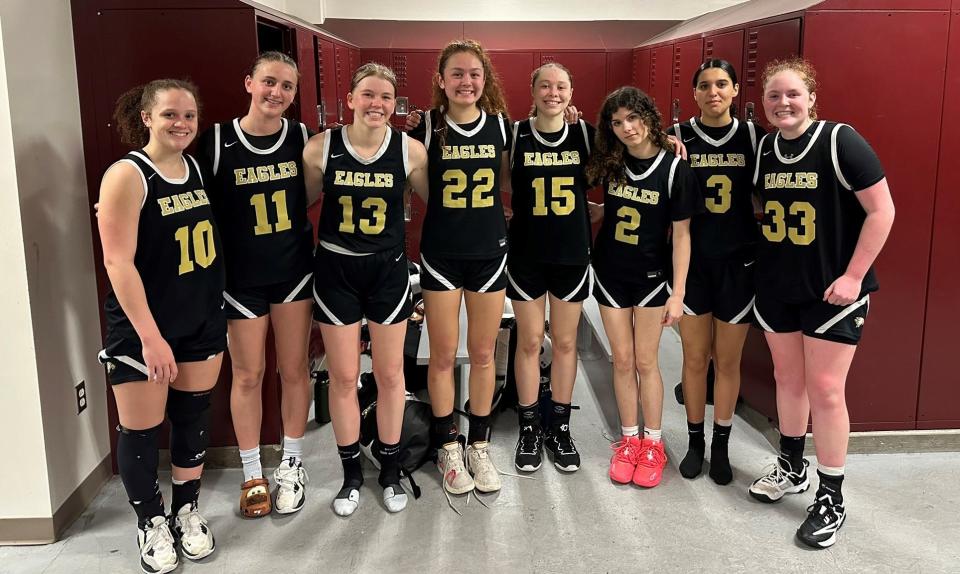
513 144
503 130
428 120
586 134
327 136
673 172
753 134
306 135
834 157
216 148
756 170
196 166
405 149
143 176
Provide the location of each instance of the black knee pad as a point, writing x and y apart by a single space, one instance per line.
189 414
137 459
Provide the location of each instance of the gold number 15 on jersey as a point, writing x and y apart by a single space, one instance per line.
456 184
562 200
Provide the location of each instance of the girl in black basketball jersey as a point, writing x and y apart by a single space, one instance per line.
166 330
260 200
827 212
463 251
648 194
361 270
549 254
720 291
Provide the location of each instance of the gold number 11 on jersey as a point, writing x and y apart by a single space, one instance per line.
259 203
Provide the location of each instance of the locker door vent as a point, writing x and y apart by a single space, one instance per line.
400 69
752 43
676 66
708 49
653 68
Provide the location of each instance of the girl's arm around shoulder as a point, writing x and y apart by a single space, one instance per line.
314 162
417 178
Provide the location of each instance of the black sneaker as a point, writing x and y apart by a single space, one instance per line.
529 455
824 519
778 479
561 449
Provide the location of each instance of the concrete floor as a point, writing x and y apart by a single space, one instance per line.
903 514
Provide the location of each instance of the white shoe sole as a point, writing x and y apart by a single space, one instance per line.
163 570
528 467
824 543
764 497
200 556
290 510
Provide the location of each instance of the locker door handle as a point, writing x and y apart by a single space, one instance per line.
748 111
676 110
339 111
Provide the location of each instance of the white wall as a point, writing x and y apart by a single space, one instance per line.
55 246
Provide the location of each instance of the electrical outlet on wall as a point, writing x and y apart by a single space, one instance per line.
81 391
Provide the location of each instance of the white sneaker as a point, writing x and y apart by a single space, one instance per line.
157 552
778 480
485 473
193 532
290 487
456 479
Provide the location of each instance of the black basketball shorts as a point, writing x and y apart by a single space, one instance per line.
347 288
643 289
723 287
817 319
478 275
253 302
529 280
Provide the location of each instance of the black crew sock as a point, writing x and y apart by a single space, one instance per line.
479 428
791 451
560 417
389 464
443 430
830 484
186 493
350 458
692 463
528 416
720 470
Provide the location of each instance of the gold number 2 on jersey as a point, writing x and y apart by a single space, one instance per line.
777 229
456 181
723 186
626 226
204 249
562 200
259 203
368 226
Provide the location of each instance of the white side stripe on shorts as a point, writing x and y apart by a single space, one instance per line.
586 276
686 310
606 294
495 275
440 278
298 288
739 317
653 294
865 300
756 313
238 306
517 287
130 362
326 311
406 293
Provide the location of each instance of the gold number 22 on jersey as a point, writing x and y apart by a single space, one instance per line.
456 183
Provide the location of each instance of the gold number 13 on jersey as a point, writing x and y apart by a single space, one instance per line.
368 226
456 184
204 249
259 203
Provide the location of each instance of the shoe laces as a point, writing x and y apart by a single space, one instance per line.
624 451
288 477
452 459
530 440
190 522
157 537
652 455
564 441
824 509
775 474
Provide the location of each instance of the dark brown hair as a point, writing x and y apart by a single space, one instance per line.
142 99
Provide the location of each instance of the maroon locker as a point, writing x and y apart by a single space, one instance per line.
661 78
620 71
327 79
687 57
384 57
588 93
764 44
307 93
513 69
343 73
727 46
641 69
889 354
938 406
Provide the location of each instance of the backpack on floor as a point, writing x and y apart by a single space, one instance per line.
415 448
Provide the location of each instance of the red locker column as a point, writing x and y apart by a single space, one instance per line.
661 78
327 79
342 77
384 57
588 93
688 55
641 69
727 46
307 93
514 69
620 72
763 44
938 405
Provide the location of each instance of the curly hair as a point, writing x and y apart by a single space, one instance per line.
606 161
491 100
802 68
142 99
536 74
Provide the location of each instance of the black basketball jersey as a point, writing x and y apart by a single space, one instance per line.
811 217
363 198
464 217
638 213
179 254
261 205
724 167
550 220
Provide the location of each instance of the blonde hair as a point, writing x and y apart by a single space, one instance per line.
802 68
373 69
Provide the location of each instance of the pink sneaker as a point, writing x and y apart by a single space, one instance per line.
624 460
650 462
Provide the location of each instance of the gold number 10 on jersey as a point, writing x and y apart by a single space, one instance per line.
204 249
562 200
456 181
259 203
